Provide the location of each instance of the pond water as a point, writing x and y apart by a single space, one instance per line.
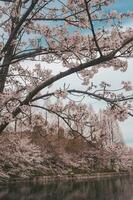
103 189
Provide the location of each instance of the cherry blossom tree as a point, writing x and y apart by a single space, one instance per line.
18 155
81 35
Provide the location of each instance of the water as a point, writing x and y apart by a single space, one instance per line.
105 189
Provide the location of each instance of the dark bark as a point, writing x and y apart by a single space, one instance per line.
4 70
9 48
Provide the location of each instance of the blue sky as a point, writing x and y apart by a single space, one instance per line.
123 5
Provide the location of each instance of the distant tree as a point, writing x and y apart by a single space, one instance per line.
82 35
110 130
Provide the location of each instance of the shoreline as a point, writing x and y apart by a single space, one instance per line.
74 177
80 176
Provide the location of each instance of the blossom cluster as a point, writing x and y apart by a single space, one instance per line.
127 85
61 93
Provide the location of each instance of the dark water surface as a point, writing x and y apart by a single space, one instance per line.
103 189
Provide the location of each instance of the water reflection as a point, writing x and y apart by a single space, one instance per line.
113 189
